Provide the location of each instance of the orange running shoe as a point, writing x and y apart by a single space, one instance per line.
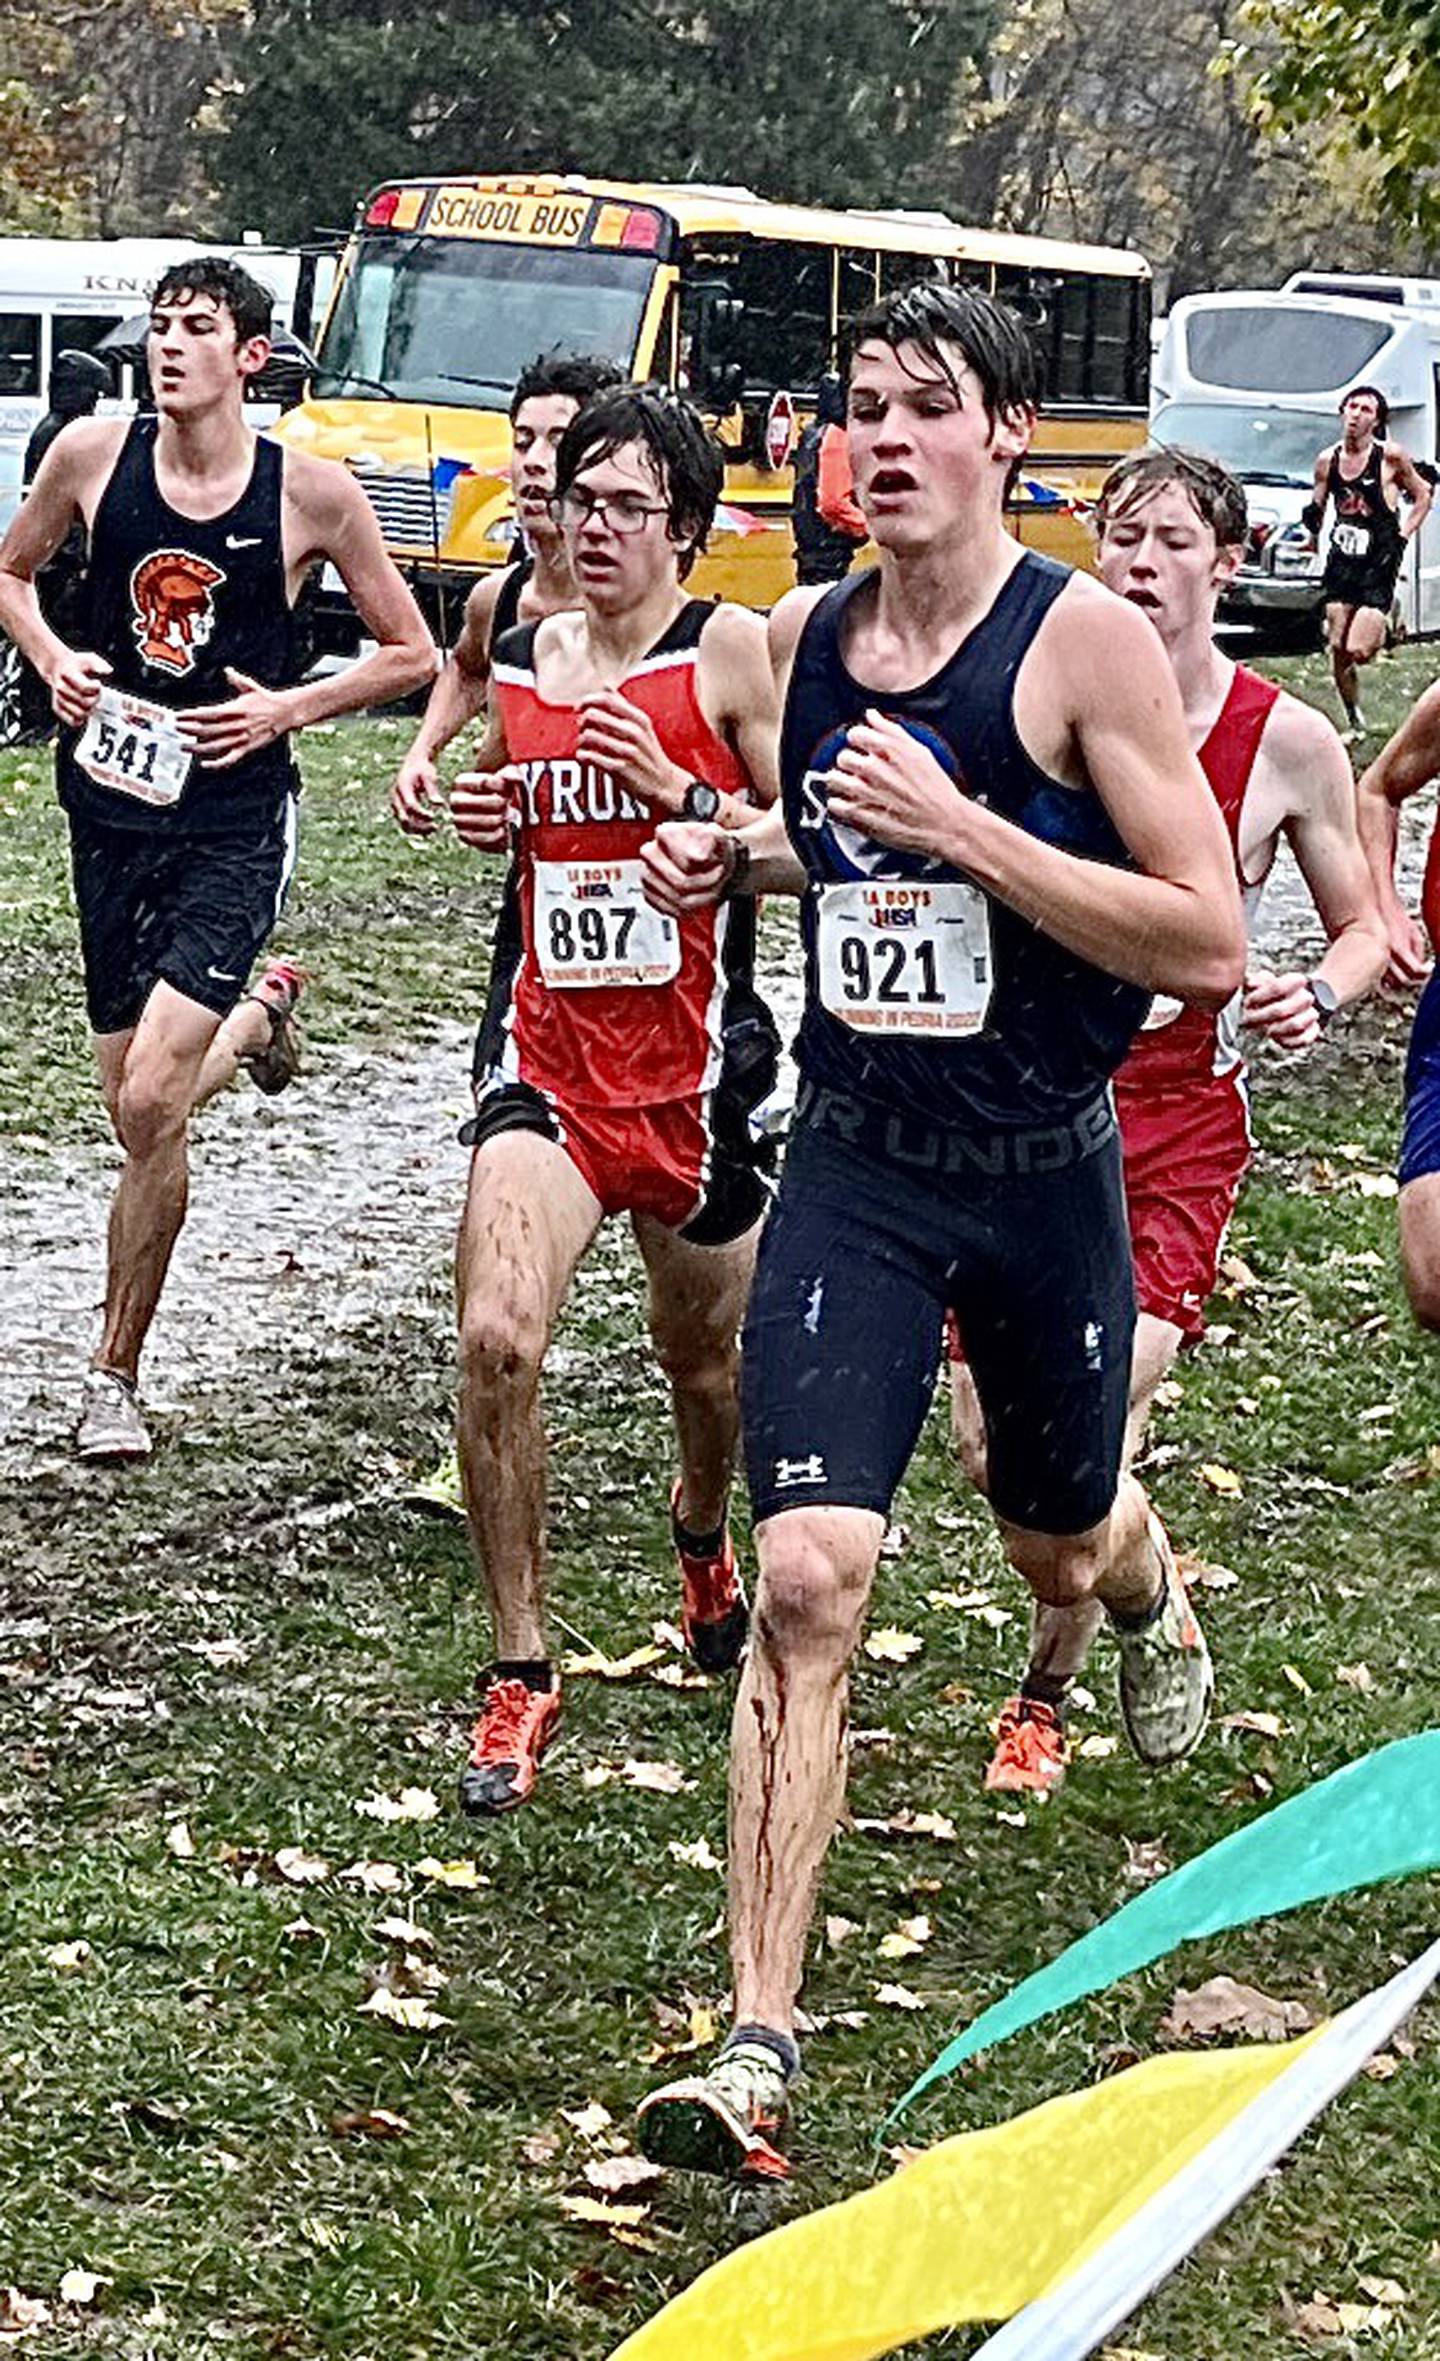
713 1612
1031 1750
515 1726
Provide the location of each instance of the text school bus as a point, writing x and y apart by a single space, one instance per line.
447 288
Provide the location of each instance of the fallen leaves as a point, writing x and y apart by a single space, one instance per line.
1255 1725
598 1666
1356 1676
1221 1479
1325 2317
932 1824
67 1959
179 1841
700 1855
1223 2006
21 2314
80 2287
369 2123
409 2010
299 1868
656 1778
463 1877
412 1803
889 1646
375 1877
898 1996
619 2176
1200 1574
904 1941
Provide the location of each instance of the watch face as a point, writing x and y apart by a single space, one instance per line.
701 800
1324 995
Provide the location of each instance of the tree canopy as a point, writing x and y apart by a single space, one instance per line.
1367 76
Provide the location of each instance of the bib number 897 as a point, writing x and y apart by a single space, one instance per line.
593 934
892 972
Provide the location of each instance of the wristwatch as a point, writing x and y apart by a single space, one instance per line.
701 801
1325 997
739 869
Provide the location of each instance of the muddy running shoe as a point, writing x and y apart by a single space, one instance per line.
515 1726
727 2121
713 1612
1167 1681
111 1426
1031 1752
274 1067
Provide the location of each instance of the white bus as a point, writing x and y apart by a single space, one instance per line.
59 294
1256 377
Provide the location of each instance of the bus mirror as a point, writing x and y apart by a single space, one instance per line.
711 324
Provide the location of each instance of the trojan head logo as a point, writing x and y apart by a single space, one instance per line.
174 610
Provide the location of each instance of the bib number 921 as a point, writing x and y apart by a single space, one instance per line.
897 956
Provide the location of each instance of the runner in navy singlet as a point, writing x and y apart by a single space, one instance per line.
1362 477
999 855
174 765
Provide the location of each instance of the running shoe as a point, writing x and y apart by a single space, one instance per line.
726 2121
1167 1681
1031 1751
274 1066
515 1726
713 1612
111 1426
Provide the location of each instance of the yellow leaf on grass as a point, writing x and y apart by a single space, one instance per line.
405 1931
890 1646
299 1868
463 1876
595 2213
412 1803
897 1996
82 2287
67 1958
405 2009
588 2122
1222 1480
932 1824
904 1941
598 1666
375 1877
1297 1680
1258 1725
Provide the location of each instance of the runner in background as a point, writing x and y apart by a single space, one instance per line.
177 701
1364 476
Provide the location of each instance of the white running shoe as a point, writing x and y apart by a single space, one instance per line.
1167 1682
111 1426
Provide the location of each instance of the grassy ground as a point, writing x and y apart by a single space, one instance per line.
212 1660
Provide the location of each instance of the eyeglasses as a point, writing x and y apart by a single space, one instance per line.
623 512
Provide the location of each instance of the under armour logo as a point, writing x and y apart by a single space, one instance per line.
789 1472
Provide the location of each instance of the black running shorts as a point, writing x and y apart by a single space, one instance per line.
880 1227
189 910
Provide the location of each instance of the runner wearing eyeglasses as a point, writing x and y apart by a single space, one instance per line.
622 1050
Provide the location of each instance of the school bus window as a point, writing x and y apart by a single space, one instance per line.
1111 310
19 353
857 290
782 333
903 270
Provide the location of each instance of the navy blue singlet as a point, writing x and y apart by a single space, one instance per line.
1056 1027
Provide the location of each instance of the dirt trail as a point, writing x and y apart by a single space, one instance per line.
311 1215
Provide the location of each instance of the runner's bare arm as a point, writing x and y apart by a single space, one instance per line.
327 516
457 697
1303 772
1417 490
1173 924
733 679
1400 769
483 799
56 501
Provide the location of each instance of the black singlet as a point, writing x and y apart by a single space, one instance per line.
170 602
506 612
1056 1027
1366 530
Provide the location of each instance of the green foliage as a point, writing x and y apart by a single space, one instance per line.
333 98
1368 77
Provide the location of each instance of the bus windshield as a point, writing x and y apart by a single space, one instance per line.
1258 348
1260 446
455 320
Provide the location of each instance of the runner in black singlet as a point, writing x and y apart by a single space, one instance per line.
999 854
1367 536
174 764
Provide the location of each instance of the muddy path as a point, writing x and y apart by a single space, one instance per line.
312 1216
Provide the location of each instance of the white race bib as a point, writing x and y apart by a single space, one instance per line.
1351 540
593 926
902 956
134 747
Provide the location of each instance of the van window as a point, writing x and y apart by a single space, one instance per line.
1255 347
80 332
19 353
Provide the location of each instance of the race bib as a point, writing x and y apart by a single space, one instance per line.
897 956
593 926
134 748
1351 540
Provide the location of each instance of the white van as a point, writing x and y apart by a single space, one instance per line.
1257 377
59 294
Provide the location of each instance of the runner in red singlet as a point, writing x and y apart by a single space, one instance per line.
1172 529
623 1051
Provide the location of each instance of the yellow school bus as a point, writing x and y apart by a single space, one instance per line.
447 288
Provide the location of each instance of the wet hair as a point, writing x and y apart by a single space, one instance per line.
1382 407
941 320
1216 496
683 453
575 377
249 304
